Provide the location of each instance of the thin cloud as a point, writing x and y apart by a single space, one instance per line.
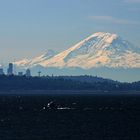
132 1
111 19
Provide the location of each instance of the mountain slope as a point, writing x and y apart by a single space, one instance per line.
104 54
98 50
35 61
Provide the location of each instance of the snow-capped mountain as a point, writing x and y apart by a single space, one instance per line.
98 50
35 61
103 54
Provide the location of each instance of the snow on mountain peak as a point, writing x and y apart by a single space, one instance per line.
98 50
35 61
48 54
100 34
108 37
22 62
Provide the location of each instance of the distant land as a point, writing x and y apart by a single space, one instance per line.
103 54
9 83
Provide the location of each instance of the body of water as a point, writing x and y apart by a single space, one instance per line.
78 117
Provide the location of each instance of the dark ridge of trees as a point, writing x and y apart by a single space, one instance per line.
88 79
63 83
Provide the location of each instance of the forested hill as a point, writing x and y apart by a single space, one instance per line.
64 83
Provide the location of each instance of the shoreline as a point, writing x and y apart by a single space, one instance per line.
65 92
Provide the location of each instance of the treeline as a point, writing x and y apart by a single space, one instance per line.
62 83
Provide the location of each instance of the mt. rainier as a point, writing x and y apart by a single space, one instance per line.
102 54
98 50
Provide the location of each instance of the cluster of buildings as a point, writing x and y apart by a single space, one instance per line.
10 71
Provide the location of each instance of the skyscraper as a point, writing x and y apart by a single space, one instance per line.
10 69
1 71
28 73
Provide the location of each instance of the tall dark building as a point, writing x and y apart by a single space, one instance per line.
28 73
10 69
1 71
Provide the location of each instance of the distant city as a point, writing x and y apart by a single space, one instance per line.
10 71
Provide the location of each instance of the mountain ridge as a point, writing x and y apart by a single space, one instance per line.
98 50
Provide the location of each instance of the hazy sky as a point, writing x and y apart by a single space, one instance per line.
29 27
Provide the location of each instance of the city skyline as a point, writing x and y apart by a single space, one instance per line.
10 70
29 28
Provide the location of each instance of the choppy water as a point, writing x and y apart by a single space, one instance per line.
80 117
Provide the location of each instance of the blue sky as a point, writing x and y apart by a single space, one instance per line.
29 27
